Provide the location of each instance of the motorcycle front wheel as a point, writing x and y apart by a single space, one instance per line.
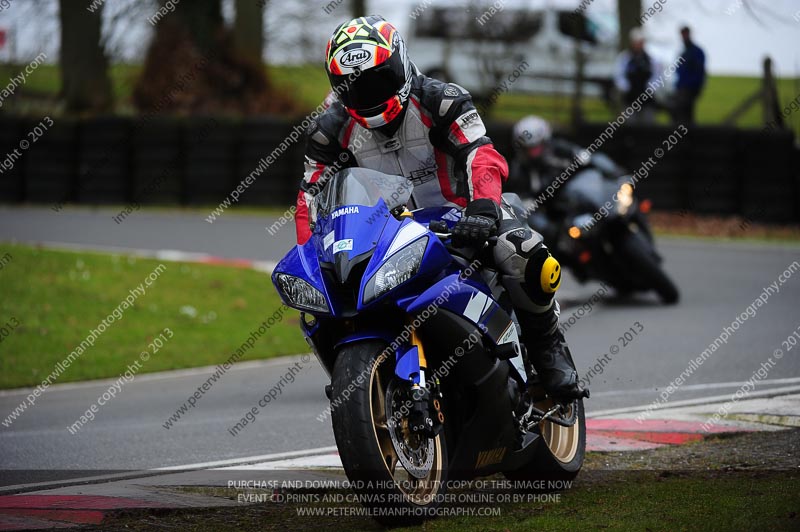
636 248
399 475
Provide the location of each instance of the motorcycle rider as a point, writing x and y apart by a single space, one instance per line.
540 158
534 161
390 118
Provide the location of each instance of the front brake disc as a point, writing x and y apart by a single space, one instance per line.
414 450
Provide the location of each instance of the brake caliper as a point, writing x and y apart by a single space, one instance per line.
425 415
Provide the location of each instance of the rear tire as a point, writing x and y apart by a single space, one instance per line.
638 251
368 444
560 454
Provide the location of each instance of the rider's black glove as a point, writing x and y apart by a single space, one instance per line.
477 224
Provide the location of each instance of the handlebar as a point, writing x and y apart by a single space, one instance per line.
439 227
441 230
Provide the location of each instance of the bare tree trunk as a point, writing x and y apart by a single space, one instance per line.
85 84
203 19
359 8
576 115
249 28
769 91
629 12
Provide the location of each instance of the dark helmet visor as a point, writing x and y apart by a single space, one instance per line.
368 91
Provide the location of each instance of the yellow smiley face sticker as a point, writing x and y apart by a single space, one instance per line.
550 278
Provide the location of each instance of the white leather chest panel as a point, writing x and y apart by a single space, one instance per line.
408 153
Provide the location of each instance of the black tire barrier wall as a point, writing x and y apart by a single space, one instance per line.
199 161
713 170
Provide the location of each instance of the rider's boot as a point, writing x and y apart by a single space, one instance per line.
549 354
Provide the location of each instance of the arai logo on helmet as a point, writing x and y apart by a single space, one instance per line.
356 57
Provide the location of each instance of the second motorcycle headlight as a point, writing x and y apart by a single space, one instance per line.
398 269
624 198
299 294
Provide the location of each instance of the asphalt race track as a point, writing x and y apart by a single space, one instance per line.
718 281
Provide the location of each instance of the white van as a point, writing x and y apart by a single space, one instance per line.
492 47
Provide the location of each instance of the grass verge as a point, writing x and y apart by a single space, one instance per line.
57 297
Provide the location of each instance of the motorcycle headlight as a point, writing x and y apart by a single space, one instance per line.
397 269
299 294
624 198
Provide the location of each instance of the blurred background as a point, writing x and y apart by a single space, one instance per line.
208 87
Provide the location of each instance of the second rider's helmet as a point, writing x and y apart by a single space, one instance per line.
532 136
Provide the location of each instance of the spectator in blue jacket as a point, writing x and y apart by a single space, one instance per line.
691 78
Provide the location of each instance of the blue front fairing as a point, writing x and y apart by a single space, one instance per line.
302 262
362 233
369 237
397 235
352 230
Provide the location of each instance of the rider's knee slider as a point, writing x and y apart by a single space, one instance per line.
542 276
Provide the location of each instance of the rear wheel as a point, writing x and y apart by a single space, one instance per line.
380 454
561 451
638 251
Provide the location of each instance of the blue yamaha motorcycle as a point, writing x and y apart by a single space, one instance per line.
428 378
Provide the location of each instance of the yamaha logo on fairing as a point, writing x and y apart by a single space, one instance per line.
343 211
355 57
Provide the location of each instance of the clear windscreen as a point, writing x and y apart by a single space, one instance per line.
361 186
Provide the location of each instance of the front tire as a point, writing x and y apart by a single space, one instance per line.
637 250
411 485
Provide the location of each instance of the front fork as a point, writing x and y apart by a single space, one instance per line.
425 413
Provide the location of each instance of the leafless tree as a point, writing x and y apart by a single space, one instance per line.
85 82
249 28
628 12
358 8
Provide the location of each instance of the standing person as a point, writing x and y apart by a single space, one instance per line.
635 69
691 78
